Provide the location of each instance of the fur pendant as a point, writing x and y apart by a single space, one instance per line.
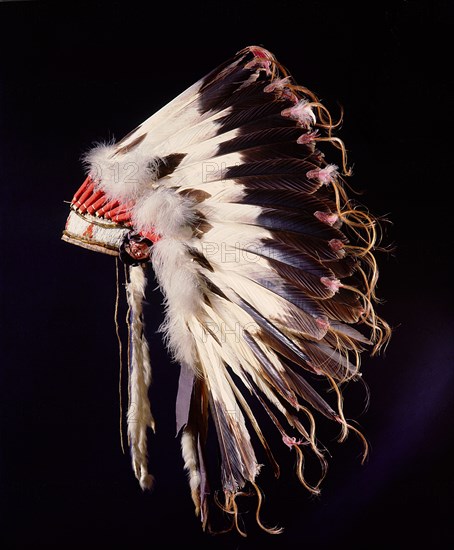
267 268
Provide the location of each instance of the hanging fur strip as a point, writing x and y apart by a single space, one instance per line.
139 414
267 269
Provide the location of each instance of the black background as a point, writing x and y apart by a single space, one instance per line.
73 75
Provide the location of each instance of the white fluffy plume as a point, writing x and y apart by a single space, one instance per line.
165 211
121 176
178 279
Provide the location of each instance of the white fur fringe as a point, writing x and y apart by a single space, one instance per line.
139 412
